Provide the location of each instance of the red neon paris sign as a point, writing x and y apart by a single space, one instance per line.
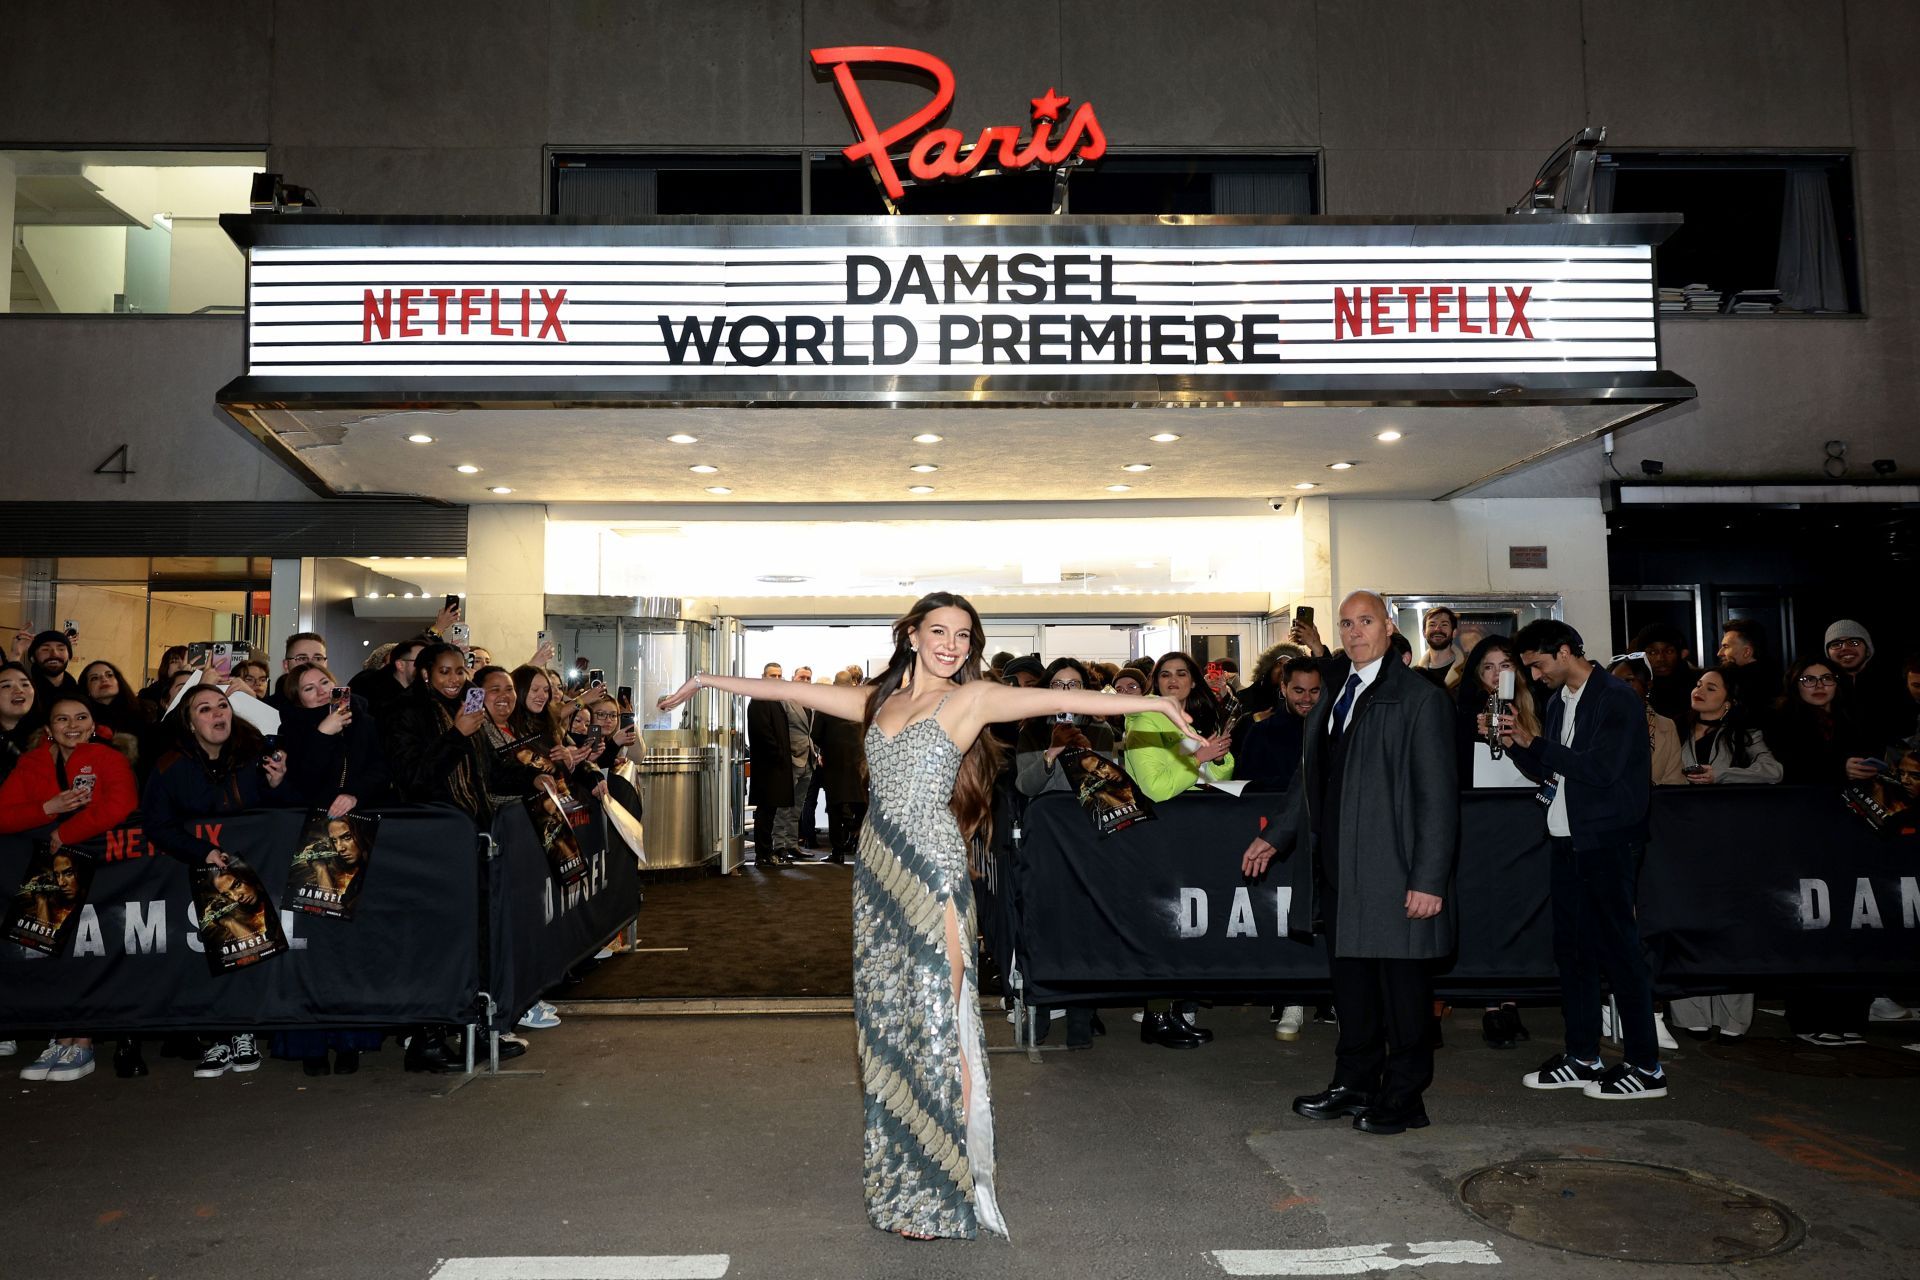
943 153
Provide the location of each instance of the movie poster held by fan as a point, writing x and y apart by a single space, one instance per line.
555 815
330 868
1108 795
45 911
238 925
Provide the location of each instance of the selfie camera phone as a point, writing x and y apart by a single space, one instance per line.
597 677
85 782
1876 764
72 629
1694 770
342 697
453 600
1304 615
459 633
474 701
539 639
626 719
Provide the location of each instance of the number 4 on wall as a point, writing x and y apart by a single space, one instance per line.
125 469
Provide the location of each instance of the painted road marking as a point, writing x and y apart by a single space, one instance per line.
690 1266
1352 1260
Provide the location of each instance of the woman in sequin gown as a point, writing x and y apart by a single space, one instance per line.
928 1158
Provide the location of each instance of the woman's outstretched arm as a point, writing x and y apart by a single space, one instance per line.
849 702
999 703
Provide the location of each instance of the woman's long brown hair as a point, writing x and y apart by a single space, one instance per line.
972 801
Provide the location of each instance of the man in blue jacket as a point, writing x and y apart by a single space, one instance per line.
1595 753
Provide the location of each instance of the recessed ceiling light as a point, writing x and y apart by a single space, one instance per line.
373 595
406 595
1306 484
1388 436
467 469
377 557
681 437
1341 466
927 437
702 469
1138 466
923 467
719 489
1163 437
1118 488
919 488
420 437
782 578
500 488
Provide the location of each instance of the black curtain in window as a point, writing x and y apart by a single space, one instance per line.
1262 193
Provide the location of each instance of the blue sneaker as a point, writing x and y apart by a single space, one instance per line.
540 1017
38 1068
72 1062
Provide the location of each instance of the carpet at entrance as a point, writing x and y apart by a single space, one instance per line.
788 932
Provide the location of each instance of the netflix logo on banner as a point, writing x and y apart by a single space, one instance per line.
442 312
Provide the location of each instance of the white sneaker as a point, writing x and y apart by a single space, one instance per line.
1292 1018
1885 1010
38 1068
1624 1083
8 1048
215 1061
1660 1032
540 1017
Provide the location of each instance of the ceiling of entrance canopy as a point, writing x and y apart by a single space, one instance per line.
870 455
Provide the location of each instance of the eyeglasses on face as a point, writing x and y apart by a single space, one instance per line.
1066 684
1818 682
1847 642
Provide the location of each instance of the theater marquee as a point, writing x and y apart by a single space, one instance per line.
934 303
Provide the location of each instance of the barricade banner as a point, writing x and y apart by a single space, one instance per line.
539 929
1739 885
137 963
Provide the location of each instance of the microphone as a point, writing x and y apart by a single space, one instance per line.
1497 706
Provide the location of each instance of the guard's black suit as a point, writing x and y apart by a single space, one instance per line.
1377 813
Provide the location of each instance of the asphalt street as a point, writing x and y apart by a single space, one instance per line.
689 1146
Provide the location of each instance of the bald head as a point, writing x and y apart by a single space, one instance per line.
1364 626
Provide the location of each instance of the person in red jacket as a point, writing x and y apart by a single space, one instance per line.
86 787
74 779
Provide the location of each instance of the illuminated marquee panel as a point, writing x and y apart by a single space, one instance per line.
544 312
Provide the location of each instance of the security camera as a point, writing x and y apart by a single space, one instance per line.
1278 504
1652 466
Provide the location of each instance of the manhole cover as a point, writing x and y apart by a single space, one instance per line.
1634 1212
1797 1057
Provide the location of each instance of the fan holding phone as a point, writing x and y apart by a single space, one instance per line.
334 756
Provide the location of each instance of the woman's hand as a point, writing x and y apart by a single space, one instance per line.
1213 748
600 788
21 639
625 736
53 842
680 696
1178 714
449 614
543 656
336 720
66 802
343 804
1705 774
275 767
1859 770
217 859
468 722
1053 754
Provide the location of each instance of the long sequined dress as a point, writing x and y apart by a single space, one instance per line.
929 1157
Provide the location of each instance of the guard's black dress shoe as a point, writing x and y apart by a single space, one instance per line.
426 1051
1202 1034
127 1062
1168 1032
1493 1029
1332 1103
1390 1120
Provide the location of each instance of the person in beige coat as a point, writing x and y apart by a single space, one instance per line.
1661 730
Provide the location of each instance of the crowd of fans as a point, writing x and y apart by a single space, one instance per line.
81 756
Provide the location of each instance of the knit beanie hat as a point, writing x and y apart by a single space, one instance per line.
1845 629
52 637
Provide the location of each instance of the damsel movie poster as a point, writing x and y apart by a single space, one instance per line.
1105 791
238 925
45 912
553 824
331 866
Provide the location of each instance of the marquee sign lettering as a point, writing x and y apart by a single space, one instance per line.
810 304
942 152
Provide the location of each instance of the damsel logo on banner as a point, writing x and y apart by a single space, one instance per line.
943 153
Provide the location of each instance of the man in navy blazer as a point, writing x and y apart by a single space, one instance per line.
1596 754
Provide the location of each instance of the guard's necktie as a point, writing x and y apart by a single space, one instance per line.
1341 708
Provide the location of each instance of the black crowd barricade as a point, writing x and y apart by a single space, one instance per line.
410 953
1741 886
537 930
437 924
